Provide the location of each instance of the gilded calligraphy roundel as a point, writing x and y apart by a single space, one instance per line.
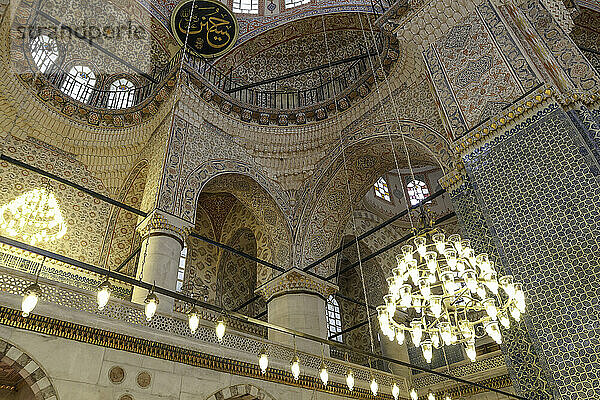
213 29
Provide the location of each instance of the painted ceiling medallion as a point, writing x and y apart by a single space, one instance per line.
210 28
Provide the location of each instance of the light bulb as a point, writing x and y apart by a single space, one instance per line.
420 244
515 313
151 305
490 308
220 329
439 240
446 332
295 367
493 330
374 386
413 271
413 394
431 260
407 252
470 350
435 305
481 291
30 299
103 294
395 391
430 396
400 336
350 379
508 285
491 282
504 320
466 329
470 280
427 348
405 296
324 375
416 332
435 339
390 305
451 259
425 288
519 297
263 360
193 320
448 281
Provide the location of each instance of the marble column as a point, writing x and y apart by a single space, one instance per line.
297 300
163 239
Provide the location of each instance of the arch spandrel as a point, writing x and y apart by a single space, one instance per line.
243 391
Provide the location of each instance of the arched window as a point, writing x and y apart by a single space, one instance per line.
79 82
44 52
294 3
334 319
381 189
120 94
417 191
181 269
245 6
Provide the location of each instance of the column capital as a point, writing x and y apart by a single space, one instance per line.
158 222
295 281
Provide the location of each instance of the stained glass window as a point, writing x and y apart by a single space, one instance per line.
181 269
245 6
381 189
44 52
78 83
294 3
417 191
120 94
334 319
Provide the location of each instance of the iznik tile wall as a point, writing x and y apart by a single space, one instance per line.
524 365
538 186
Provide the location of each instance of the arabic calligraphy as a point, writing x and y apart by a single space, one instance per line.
210 28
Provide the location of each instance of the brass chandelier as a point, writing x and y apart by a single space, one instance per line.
451 292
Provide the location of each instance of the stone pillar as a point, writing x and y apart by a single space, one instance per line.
296 300
163 237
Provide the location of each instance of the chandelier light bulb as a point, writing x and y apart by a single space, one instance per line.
519 297
400 337
30 299
193 320
435 339
425 288
420 242
413 271
103 295
507 283
431 260
395 391
416 332
427 348
350 379
407 252
413 394
263 360
440 243
220 329
504 320
515 313
390 305
431 396
466 329
455 241
435 305
490 308
323 374
491 281
151 305
493 330
446 332
448 282
470 279
470 350
481 292
374 386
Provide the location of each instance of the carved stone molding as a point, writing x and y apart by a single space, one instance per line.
294 281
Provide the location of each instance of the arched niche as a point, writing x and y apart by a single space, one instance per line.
239 392
344 179
22 377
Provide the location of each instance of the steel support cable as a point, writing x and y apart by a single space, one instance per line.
234 315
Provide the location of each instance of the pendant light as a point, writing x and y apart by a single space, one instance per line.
395 391
103 295
193 320
295 363
220 329
32 293
374 385
151 304
263 360
413 394
350 379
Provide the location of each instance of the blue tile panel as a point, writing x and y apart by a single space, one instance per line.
538 186
524 366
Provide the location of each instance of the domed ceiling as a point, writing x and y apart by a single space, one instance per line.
297 46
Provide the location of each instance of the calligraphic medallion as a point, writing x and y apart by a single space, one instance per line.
213 29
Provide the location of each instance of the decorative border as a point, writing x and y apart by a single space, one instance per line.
100 337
